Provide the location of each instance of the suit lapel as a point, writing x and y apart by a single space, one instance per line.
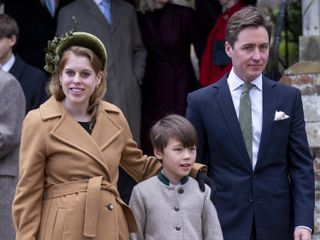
269 108
225 102
116 13
95 12
17 68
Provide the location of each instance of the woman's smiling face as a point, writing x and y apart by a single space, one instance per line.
78 80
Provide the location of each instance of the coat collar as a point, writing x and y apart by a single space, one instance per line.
166 181
104 132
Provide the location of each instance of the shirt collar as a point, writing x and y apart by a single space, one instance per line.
166 181
235 82
98 2
8 65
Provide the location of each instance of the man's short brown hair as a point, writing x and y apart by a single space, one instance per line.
244 18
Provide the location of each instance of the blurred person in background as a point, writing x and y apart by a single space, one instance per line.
168 31
12 112
37 20
214 62
33 80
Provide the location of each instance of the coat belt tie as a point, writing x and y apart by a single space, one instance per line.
93 188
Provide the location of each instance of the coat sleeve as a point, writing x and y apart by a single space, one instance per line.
301 169
139 211
12 112
137 165
27 203
211 228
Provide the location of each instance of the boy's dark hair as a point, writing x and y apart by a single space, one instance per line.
246 17
8 26
173 126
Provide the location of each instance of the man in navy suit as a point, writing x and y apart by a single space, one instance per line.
269 196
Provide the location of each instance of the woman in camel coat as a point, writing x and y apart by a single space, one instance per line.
71 149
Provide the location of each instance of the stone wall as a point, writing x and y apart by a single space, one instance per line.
306 77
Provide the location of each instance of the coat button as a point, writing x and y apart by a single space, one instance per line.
178 228
176 208
109 206
180 190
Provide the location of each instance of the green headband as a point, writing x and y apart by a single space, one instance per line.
59 44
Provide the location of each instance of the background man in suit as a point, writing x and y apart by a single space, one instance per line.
33 81
37 26
271 194
12 111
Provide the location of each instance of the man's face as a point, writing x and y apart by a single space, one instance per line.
250 53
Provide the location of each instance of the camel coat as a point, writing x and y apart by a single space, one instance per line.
68 178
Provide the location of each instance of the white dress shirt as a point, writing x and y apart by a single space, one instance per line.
8 65
235 86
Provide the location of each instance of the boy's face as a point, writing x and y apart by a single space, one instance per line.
177 160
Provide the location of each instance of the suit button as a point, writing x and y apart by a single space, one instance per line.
109 206
251 199
180 190
178 228
176 208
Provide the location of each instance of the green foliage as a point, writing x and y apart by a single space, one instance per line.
288 50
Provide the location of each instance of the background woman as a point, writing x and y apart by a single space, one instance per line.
168 31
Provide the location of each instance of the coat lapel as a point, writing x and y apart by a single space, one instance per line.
77 137
225 102
269 108
106 129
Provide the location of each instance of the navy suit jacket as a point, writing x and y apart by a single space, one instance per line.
33 82
279 193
